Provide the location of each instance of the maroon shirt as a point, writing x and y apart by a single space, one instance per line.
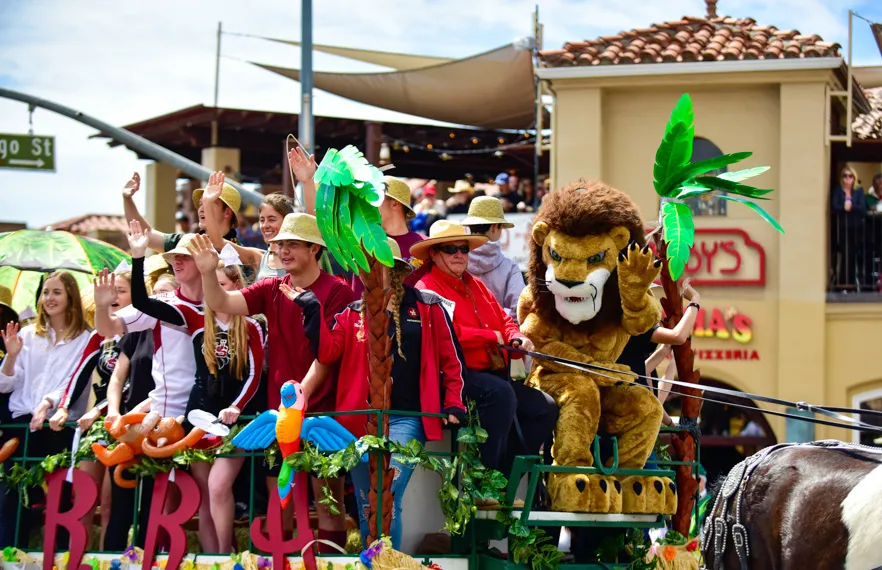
290 355
404 242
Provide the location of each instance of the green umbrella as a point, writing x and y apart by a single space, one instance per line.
26 256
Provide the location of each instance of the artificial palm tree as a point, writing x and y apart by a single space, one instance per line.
349 191
678 178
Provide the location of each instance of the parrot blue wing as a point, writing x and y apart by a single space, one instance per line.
327 434
259 434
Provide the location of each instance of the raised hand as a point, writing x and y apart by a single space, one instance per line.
214 188
104 289
137 239
637 269
291 292
302 166
203 253
132 186
11 339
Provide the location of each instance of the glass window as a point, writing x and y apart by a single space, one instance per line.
869 401
708 204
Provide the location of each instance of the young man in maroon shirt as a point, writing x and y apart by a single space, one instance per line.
396 212
289 352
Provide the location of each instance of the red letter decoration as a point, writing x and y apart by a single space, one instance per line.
84 497
172 522
273 541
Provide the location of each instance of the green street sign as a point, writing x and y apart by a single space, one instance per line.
27 152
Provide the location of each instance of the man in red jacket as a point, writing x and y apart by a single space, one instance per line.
481 326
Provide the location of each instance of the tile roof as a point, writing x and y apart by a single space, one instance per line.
82 225
691 39
869 125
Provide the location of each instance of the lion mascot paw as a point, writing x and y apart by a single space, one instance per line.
587 294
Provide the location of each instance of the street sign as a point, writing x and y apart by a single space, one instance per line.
27 152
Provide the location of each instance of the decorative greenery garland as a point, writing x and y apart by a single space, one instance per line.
458 503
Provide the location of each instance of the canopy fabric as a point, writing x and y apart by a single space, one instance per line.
399 61
492 90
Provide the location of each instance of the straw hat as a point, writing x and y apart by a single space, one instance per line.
180 249
444 231
462 186
399 191
229 196
301 227
486 210
155 264
396 253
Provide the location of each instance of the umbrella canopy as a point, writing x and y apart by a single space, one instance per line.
26 256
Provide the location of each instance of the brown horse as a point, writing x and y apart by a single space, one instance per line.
799 506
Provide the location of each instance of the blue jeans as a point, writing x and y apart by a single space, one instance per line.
402 429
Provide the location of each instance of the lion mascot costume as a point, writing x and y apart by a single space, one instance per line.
587 294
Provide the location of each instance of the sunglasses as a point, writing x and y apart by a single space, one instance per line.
452 249
848 175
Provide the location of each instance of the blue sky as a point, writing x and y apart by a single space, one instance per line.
128 61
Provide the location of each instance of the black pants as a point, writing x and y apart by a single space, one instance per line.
499 402
122 514
41 443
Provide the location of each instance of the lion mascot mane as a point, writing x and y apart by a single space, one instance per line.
587 294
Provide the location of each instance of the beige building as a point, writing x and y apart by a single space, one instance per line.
770 325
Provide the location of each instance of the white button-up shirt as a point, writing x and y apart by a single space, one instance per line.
42 370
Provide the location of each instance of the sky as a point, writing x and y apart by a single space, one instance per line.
124 62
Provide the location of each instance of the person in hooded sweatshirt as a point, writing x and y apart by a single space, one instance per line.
499 273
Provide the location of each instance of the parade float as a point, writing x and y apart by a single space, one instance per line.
588 292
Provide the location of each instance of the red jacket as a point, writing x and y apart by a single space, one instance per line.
440 360
476 315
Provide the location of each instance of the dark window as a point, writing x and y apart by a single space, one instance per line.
708 204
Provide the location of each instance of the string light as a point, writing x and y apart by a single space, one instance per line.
452 135
430 146
474 141
496 151
501 140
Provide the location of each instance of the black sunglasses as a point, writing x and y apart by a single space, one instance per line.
452 249
847 175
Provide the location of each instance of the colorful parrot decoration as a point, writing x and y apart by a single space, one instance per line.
349 191
289 427
678 178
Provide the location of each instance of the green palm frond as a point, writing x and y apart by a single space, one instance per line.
350 189
676 178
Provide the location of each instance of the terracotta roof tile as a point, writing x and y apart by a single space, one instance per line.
82 225
691 39
869 125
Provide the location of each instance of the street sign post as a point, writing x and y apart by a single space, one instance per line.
27 152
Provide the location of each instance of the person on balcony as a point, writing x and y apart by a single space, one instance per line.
427 372
849 208
518 419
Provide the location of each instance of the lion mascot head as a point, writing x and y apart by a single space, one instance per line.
577 236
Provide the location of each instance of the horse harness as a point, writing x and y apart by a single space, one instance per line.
736 482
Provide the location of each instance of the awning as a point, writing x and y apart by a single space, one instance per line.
399 61
492 90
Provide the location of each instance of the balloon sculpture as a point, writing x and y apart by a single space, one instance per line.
8 449
288 426
166 438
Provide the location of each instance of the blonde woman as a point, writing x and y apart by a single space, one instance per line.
229 357
40 358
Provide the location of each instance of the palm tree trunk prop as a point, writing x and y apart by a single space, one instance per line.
683 442
376 300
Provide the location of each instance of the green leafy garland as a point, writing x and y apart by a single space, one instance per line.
631 543
458 502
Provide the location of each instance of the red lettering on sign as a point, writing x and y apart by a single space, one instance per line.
718 258
729 247
84 500
173 522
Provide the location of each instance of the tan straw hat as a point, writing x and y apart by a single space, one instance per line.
155 264
180 249
486 210
462 186
445 231
399 191
396 253
229 196
300 227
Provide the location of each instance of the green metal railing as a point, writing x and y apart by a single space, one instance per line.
476 533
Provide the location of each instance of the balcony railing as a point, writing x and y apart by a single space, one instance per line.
855 256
